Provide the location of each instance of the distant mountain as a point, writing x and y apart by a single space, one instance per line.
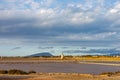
43 54
113 54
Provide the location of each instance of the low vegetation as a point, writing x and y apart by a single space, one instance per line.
67 57
107 73
3 72
15 71
110 73
31 72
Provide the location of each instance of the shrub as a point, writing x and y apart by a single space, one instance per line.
107 73
15 71
31 72
117 72
3 72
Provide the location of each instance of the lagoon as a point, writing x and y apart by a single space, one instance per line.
60 67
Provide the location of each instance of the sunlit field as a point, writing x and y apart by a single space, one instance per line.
69 58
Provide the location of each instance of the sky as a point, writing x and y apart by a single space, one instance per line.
27 25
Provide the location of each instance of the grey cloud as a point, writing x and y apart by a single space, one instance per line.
113 51
45 47
16 48
83 47
65 47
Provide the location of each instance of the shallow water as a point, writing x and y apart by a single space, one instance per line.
67 67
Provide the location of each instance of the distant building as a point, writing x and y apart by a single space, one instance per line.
1 57
117 56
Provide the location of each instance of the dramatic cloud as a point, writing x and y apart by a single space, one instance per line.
112 51
87 22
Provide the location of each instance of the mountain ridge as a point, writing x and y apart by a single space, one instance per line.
42 54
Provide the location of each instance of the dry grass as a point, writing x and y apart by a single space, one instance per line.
70 58
73 77
60 76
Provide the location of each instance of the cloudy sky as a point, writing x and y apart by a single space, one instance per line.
26 25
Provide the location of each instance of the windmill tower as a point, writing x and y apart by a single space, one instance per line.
62 56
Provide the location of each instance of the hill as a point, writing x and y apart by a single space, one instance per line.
43 54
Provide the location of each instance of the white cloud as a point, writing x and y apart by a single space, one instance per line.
98 36
113 16
115 9
81 18
74 14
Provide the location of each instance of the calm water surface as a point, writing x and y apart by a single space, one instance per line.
67 67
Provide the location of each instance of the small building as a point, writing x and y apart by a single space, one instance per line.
62 56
